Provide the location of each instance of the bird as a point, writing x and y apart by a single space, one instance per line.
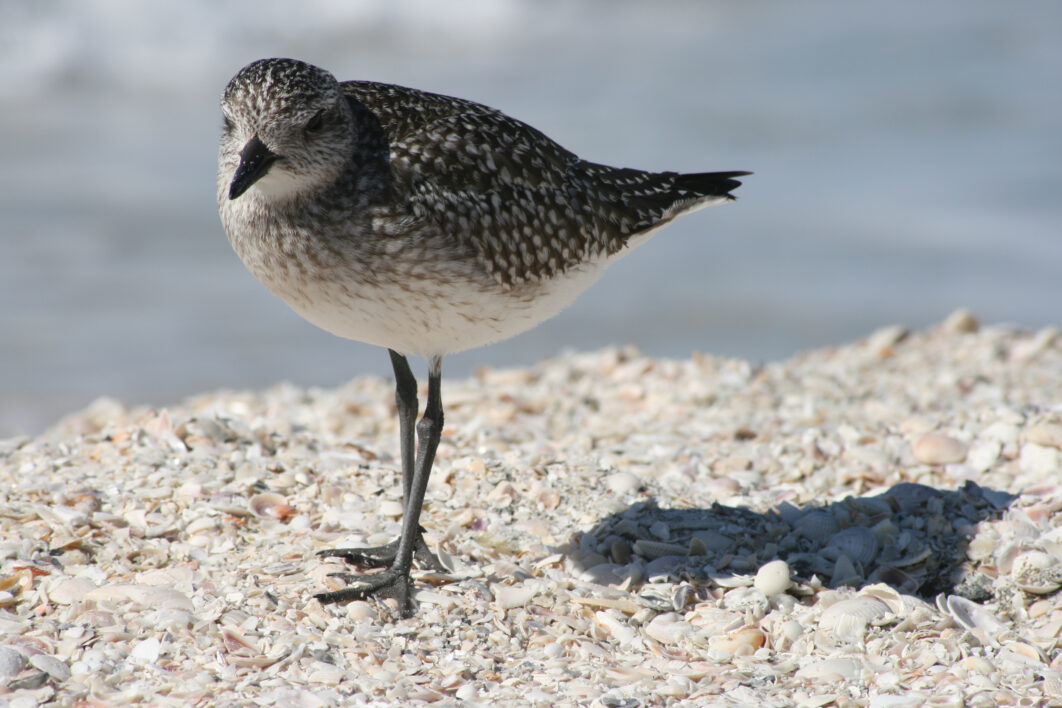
424 224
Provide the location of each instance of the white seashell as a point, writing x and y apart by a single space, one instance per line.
748 599
617 628
668 628
858 543
55 668
934 449
969 615
743 642
1039 460
817 526
848 619
1037 572
390 507
70 590
1046 434
835 669
271 505
773 578
141 595
509 596
146 651
621 483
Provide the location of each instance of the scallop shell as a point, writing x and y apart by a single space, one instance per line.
969 615
816 526
858 543
848 619
271 505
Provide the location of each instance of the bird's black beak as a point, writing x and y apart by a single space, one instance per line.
255 160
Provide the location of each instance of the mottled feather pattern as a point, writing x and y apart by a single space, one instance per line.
530 208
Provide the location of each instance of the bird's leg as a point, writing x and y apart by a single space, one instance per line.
394 582
383 556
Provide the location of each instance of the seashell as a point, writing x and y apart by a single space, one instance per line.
1037 572
817 526
393 508
668 628
620 483
848 619
894 577
934 449
651 550
271 505
969 615
835 669
1039 460
661 530
509 596
844 572
858 543
915 557
55 668
743 642
713 542
749 600
882 340
910 496
1046 434
11 662
146 651
773 578
70 590
616 627
962 321
620 551
142 596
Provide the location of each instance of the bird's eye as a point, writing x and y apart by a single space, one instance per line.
316 122
227 124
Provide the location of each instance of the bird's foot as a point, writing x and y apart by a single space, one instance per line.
384 556
392 583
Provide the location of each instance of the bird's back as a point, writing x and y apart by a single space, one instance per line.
529 208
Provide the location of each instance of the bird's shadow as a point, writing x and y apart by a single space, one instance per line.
912 537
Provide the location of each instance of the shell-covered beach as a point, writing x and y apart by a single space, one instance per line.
870 524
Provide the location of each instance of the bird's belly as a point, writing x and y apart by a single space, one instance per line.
434 313
434 317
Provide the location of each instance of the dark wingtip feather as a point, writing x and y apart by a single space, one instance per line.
710 184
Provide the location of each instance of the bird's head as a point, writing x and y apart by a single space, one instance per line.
287 130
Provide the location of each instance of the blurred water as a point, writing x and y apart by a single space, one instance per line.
908 161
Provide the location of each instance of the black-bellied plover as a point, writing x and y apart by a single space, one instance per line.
424 224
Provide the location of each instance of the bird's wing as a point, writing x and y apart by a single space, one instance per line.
530 208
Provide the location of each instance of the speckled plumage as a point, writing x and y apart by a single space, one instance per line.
421 223
465 212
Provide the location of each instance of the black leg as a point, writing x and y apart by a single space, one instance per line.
394 582
384 556
406 400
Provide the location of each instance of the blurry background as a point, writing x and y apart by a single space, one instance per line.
908 161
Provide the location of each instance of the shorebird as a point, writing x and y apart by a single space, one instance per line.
424 224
